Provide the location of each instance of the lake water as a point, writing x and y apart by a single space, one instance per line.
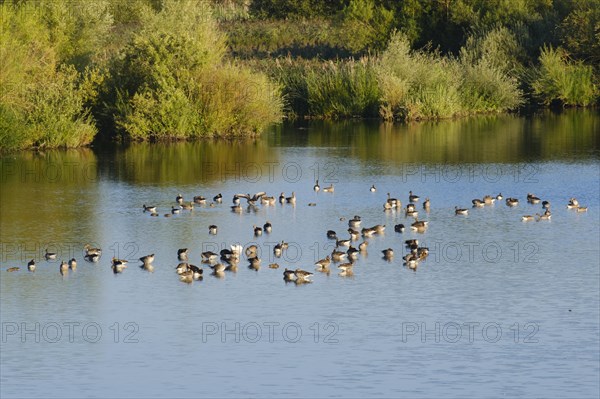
499 308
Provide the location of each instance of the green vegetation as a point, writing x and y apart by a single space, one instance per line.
75 71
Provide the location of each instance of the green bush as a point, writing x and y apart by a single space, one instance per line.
558 79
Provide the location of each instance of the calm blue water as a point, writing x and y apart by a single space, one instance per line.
499 308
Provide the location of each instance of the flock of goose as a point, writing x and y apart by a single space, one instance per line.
228 259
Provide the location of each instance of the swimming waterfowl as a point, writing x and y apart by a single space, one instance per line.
254 262
251 250
411 212
257 230
218 198
278 249
379 228
167 215
302 274
460 211
118 266
546 204
527 218
252 199
268 227
412 264
64 267
89 250
50 255
582 209
209 256
422 252
499 197
388 253
218 268
412 255
188 207
373 189
237 208
175 210
489 200
312 204
329 189
182 254
345 266
512 202
573 203
147 259
399 228
478 203
232 267
412 197
182 267
338 256
316 187
342 243
267 200
354 235
331 234
154 214
387 207
94 257
352 253
179 199
393 202
323 264
186 276
196 271
532 199
282 198
198 199
12 269
292 199
542 217
236 200
73 264
355 221
363 246
427 204
212 229
419 225
31 265
368 232
289 275
236 249
149 208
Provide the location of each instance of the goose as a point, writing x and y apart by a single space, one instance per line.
477 203
427 204
292 199
352 253
355 221
268 227
412 197
50 255
199 199
13 269
278 249
512 202
236 249
532 199
410 207
73 264
412 264
186 276
251 250
373 189
527 218
388 253
302 274
179 199
188 207
316 187
354 235
368 232
64 267
582 209
257 230
237 209
282 198
342 243
413 243
118 265
387 207
196 271
218 268
182 267
460 211
267 200
89 250
345 266
338 255
393 202
252 199
573 203
412 255
154 214
331 234
289 275
254 262
412 212
546 204
95 257
499 197
329 189
175 210
379 228
149 208
209 256
182 254
218 198
147 259
422 252
31 265
543 217
419 225
399 228
323 264
233 267
236 200
212 229
489 200
363 246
